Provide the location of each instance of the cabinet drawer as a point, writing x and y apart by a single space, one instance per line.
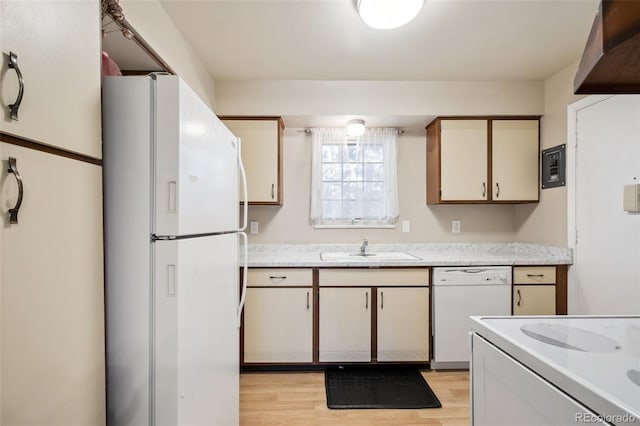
284 277
374 277
534 275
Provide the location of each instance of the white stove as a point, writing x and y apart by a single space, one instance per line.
595 360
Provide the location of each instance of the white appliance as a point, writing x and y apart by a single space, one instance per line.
556 370
459 293
171 248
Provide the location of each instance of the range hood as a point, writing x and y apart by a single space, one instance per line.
610 63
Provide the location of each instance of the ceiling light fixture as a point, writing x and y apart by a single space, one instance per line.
355 128
387 14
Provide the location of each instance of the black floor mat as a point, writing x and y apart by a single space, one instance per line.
378 388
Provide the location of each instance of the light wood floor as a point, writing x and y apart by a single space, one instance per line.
299 399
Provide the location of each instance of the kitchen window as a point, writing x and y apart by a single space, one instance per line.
354 180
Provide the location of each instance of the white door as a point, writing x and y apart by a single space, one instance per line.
345 324
57 45
606 269
196 163
403 324
51 293
514 164
278 325
464 162
196 335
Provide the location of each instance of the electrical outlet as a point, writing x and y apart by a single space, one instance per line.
253 227
406 226
455 226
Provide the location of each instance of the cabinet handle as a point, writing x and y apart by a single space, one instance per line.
277 277
13 168
307 301
13 108
382 300
366 300
519 297
484 189
498 190
535 275
273 191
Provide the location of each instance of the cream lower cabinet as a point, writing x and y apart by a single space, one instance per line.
278 325
403 324
534 300
534 290
52 365
345 325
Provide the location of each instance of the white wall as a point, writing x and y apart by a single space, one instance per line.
546 222
605 277
150 20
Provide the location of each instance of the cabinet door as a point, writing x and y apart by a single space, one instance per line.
403 324
278 325
57 44
515 151
464 160
534 300
345 324
51 293
261 157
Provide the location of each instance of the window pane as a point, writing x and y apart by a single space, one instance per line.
331 153
352 172
373 191
352 209
373 172
373 210
332 172
352 153
331 191
352 191
332 209
374 153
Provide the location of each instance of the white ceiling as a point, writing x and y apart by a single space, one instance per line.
326 40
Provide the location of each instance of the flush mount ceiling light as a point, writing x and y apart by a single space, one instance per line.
355 128
387 14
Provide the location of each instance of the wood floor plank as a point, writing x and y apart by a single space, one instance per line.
299 399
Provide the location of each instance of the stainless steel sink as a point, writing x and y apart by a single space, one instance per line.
367 257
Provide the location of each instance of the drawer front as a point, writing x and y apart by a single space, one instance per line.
279 277
534 275
374 277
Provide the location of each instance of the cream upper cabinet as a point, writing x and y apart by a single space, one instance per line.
403 324
482 160
57 49
261 142
51 292
514 152
463 156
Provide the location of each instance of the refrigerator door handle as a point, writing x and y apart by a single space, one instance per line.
245 192
245 271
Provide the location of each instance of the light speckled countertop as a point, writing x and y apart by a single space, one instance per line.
308 255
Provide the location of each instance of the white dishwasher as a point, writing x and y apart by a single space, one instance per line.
458 293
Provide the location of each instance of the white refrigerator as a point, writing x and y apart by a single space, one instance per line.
171 172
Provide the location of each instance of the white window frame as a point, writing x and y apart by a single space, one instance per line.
389 201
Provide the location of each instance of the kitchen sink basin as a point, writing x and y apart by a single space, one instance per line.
367 257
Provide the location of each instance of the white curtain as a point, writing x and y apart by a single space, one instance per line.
382 142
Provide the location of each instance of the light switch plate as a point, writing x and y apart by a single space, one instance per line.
406 226
455 226
253 227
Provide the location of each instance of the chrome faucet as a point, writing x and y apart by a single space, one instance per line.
363 247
